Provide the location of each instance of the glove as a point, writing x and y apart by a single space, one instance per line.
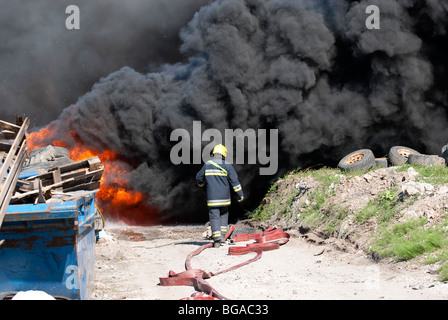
241 199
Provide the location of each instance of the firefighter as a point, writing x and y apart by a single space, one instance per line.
217 176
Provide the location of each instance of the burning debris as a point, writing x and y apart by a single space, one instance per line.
115 196
58 182
42 174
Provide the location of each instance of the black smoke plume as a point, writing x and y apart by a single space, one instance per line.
45 67
310 69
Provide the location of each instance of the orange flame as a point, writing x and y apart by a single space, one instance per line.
117 200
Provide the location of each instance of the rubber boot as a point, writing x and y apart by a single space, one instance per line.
223 239
217 243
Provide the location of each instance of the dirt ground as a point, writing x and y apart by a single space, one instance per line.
130 260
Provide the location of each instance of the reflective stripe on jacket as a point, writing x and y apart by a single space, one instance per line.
218 176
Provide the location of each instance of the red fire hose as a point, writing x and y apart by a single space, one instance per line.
270 239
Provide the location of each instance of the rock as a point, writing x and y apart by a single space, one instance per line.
443 190
410 190
412 174
415 188
368 177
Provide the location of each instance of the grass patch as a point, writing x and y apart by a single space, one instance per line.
443 272
282 207
384 207
264 211
410 239
429 174
326 176
440 256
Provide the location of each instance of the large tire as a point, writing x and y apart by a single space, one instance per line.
359 160
426 160
398 155
381 163
444 153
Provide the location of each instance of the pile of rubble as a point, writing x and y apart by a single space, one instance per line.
50 175
43 175
350 194
353 194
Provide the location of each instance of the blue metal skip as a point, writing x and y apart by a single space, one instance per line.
49 247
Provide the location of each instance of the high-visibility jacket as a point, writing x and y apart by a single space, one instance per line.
217 176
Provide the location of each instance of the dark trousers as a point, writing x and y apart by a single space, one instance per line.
219 220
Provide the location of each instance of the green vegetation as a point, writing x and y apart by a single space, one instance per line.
397 240
384 207
317 213
410 239
431 174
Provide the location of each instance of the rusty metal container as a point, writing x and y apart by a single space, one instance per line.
49 247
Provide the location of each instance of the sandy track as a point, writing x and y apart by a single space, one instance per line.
130 261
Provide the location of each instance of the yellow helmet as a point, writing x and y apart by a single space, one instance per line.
220 149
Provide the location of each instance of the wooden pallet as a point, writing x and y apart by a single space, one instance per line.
81 175
12 158
64 180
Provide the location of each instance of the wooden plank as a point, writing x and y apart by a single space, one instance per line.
26 185
77 165
85 186
42 176
57 178
5 147
8 135
9 178
69 169
89 177
14 147
6 198
35 192
94 163
9 126
40 195
73 174
67 184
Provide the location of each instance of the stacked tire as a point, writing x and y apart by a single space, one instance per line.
364 159
399 155
444 153
359 160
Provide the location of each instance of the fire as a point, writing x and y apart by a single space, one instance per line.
115 198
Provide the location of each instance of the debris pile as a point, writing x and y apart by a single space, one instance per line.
57 182
45 174
354 193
